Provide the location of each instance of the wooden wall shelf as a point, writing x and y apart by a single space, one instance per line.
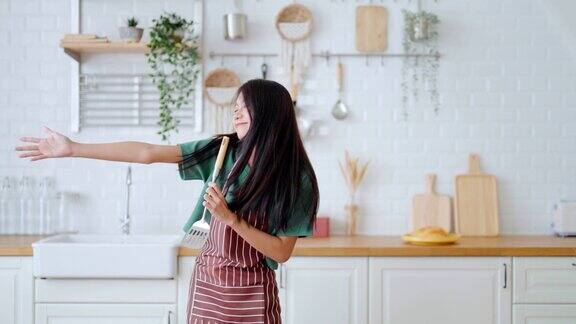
76 49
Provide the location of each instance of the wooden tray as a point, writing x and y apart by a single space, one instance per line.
476 202
371 28
430 208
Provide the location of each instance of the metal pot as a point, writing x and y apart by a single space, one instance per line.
178 35
421 30
235 26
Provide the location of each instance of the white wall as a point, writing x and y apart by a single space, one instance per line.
507 87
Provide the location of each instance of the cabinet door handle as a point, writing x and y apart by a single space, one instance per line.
505 275
169 317
282 276
280 273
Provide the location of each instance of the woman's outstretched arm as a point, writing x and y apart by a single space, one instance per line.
127 151
57 145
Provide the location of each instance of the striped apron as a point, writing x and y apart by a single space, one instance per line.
231 282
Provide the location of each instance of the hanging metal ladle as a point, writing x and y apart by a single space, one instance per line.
339 111
264 70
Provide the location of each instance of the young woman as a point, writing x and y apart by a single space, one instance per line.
269 198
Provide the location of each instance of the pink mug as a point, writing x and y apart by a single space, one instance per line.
321 227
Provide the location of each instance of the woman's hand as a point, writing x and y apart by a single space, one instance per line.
54 145
216 204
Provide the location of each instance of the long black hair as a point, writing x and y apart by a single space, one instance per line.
280 167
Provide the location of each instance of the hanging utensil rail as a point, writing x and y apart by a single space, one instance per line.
323 54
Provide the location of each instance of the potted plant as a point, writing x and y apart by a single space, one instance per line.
175 62
131 33
420 37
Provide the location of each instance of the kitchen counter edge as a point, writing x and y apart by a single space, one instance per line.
379 245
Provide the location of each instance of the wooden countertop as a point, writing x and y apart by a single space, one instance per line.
18 245
393 245
390 245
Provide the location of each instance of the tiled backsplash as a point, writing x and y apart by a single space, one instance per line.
507 89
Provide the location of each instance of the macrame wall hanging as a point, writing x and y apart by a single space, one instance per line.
294 24
220 89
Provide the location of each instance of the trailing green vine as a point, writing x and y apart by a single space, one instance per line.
420 37
174 59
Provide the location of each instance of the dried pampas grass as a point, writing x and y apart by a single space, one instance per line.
353 174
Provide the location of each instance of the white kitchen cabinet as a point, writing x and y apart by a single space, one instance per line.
162 291
105 314
544 314
185 269
16 290
324 290
106 301
544 290
440 290
319 290
549 280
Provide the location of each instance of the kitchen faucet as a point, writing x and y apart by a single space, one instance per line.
125 222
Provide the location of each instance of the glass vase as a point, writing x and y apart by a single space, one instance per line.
351 218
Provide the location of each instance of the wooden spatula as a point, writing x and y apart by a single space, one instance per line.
476 203
431 209
198 233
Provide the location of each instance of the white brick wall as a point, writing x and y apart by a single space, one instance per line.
507 86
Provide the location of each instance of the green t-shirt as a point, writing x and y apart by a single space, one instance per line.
203 171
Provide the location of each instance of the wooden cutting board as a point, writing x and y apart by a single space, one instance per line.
430 208
371 28
476 202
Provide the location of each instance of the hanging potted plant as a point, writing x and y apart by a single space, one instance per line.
420 37
175 62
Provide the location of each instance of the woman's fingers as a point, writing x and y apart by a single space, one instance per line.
30 154
38 157
31 139
212 192
208 202
215 196
27 148
212 186
48 130
212 197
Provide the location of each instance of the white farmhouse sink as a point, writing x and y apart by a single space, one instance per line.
106 256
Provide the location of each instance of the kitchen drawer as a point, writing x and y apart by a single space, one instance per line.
105 290
105 313
544 314
544 280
